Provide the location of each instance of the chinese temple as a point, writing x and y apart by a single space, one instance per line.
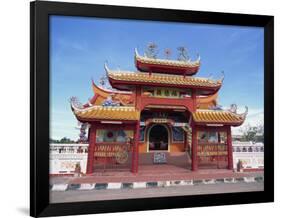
159 114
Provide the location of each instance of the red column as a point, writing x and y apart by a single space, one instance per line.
138 103
92 142
193 96
229 149
135 159
133 155
185 140
194 165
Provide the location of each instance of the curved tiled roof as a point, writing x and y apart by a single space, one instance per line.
107 113
163 79
217 116
166 62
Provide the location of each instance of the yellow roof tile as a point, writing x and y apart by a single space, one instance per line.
167 62
157 78
211 116
107 113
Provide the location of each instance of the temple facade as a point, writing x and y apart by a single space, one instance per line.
160 114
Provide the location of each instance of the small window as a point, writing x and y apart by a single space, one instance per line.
107 135
158 92
211 137
202 136
178 134
174 93
222 137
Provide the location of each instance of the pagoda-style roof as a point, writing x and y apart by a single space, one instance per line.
124 79
101 93
207 102
147 64
104 113
104 92
225 117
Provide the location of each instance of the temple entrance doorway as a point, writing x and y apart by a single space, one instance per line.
158 138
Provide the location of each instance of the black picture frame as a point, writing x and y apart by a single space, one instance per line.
39 107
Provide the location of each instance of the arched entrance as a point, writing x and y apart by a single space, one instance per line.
158 138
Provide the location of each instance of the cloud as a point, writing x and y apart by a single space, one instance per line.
255 117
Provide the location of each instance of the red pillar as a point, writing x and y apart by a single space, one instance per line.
91 149
229 149
135 153
194 165
135 159
185 141
194 103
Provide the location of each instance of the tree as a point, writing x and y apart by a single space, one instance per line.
63 140
54 141
253 133
66 140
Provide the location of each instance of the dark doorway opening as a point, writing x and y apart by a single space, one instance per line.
158 138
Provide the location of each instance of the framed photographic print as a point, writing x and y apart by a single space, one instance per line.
143 109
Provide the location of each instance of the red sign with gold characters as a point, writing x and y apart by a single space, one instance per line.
212 150
119 153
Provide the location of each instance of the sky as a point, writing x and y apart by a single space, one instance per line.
80 46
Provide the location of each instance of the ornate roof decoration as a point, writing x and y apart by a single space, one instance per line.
151 50
75 103
105 92
167 62
161 79
103 80
107 113
167 53
108 102
82 134
124 98
219 117
183 56
207 100
115 105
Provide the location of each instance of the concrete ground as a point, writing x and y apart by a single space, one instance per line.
97 195
151 173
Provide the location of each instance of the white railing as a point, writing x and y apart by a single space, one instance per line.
251 154
56 148
64 157
247 147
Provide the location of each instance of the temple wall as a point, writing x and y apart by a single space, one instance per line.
177 147
251 155
63 157
180 159
174 147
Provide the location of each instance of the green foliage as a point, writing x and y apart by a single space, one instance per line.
63 140
253 133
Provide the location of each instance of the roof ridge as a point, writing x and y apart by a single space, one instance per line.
193 63
152 74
